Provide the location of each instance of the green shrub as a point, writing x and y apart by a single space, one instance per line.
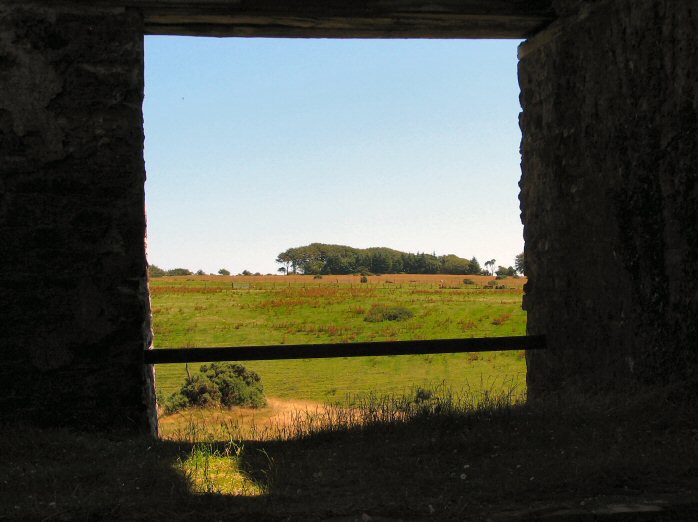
155 271
467 281
237 385
422 395
224 384
379 313
364 279
174 402
200 391
179 272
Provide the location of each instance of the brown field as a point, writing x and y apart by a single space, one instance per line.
443 280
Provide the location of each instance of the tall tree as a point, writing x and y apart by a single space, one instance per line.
520 263
284 258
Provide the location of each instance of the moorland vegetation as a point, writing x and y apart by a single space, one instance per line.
202 311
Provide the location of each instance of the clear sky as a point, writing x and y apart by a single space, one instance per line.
254 146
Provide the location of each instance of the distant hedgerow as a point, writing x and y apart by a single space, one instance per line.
224 384
379 313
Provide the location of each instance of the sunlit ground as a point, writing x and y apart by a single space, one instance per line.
415 457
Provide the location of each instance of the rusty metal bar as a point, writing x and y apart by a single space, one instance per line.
323 351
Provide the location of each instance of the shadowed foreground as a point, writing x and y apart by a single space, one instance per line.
438 459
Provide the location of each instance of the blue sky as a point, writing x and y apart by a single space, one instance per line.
257 145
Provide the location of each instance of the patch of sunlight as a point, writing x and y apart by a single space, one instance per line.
214 468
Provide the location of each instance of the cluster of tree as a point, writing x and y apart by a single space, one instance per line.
248 273
506 271
511 271
156 271
319 258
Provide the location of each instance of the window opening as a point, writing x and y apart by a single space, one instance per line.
257 147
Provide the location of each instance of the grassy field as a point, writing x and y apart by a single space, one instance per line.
200 311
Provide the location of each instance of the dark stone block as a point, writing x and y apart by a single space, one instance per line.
76 309
608 193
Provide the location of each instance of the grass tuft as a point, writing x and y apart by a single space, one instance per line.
379 313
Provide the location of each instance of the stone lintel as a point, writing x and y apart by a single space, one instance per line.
340 19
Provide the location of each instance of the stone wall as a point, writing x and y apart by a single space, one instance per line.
74 307
609 197
609 192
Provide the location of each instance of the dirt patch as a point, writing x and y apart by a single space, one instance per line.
278 415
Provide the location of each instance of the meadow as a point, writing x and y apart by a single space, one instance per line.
207 311
469 449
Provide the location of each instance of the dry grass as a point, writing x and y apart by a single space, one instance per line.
446 280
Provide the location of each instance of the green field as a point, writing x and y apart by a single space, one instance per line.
199 311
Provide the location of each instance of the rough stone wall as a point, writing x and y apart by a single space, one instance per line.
74 308
609 192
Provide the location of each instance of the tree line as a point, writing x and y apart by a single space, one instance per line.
156 271
320 258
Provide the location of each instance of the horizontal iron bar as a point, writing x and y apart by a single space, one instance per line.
321 351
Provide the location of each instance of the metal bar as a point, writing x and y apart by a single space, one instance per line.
322 351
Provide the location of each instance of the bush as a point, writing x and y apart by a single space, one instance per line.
364 279
175 402
155 271
200 391
317 276
238 386
422 395
178 272
224 384
379 313
467 281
